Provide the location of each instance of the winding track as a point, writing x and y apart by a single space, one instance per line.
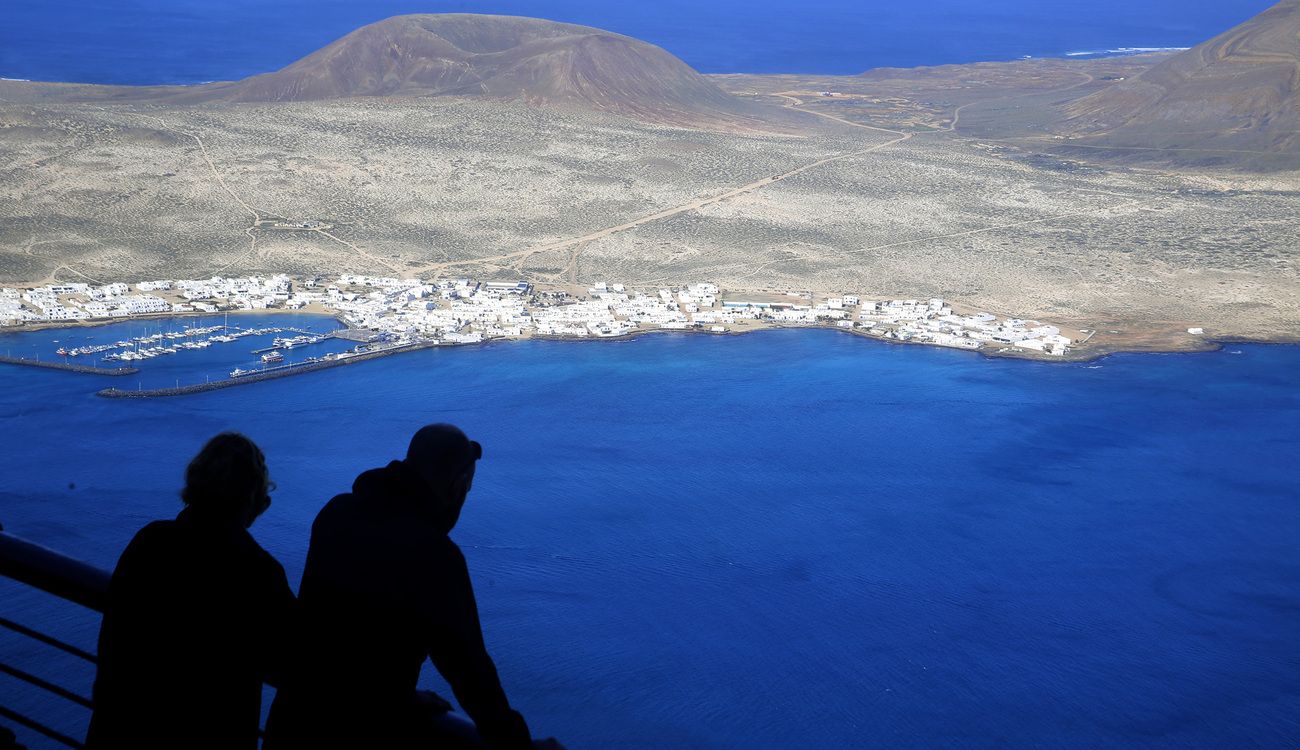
695 205
259 216
207 158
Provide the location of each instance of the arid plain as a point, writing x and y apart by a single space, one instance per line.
933 182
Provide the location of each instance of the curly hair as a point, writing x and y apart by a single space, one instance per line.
225 473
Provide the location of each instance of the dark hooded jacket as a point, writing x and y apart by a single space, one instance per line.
195 622
384 588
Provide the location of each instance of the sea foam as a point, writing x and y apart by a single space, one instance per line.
1123 51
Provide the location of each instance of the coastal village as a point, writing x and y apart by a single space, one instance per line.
399 313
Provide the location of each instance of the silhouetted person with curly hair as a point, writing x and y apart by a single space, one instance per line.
196 617
384 589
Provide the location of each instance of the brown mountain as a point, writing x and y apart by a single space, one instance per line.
499 57
1238 92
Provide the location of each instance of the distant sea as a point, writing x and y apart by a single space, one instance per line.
194 41
787 539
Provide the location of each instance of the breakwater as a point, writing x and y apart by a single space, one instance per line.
69 367
258 377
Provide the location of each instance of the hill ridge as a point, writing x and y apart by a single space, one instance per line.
1239 90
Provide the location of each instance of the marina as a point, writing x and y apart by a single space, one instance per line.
158 344
170 342
210 348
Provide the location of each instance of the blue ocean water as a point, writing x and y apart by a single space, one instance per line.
193 41
782 539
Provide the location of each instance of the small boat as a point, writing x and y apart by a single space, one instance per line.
272 357
238 373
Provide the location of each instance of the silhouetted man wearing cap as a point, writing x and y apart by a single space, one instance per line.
385 588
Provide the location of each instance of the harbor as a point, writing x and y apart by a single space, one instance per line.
181 348
159 344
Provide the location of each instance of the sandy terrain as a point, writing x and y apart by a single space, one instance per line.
902 207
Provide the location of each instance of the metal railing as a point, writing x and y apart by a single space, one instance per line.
77 582
43 568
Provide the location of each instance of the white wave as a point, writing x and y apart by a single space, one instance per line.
1139 50
2 78
1123 51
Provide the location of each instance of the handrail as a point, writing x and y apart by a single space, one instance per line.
53 572
39 728
67 578
78 582
45 685
37 635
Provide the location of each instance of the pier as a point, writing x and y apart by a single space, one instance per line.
69 367
304 338
263 375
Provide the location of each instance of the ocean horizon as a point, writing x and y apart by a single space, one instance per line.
199 41
787 538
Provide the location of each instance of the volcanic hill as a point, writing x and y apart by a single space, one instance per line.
502 57
1238 92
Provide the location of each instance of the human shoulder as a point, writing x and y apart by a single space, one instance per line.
445 554
449 548
263 558
150 553
337 510
155 530
151 536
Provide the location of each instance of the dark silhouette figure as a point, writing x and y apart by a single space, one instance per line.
196 616
384 589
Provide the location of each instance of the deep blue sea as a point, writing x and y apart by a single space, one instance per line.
789 539
193 41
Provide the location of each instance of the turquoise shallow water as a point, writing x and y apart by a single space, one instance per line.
783 539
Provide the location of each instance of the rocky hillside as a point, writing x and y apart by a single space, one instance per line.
1239 91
